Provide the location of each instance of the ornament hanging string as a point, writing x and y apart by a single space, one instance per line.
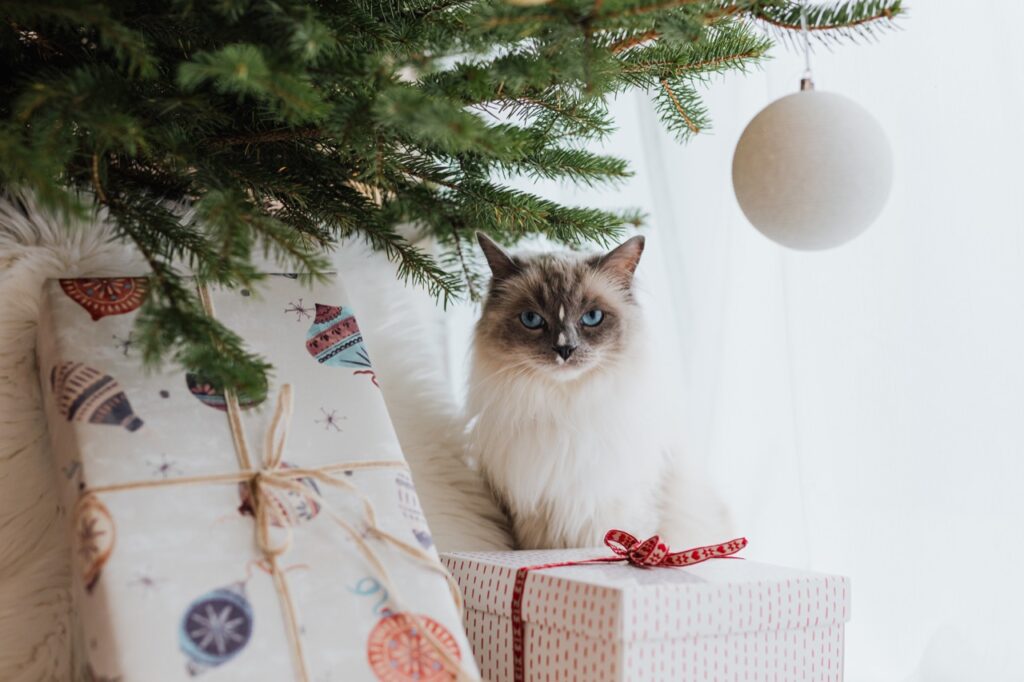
807 82
274 475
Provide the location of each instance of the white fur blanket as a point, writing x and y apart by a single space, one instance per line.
401 327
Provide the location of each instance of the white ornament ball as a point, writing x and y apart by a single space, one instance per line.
812 170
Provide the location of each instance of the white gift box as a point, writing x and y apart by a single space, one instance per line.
169 580
725 620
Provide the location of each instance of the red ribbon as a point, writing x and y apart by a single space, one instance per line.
651 553
654 552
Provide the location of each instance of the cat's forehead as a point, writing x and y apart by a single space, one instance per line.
553 281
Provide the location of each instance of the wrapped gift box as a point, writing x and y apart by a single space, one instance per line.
724 620
169 580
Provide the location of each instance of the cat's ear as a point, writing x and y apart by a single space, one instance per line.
621 261
502 265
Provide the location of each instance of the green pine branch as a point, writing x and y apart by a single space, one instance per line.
34 21
831 21
209 133
516 214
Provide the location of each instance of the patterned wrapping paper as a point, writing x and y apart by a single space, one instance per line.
725 620
168 582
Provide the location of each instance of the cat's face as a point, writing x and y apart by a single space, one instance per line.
560 315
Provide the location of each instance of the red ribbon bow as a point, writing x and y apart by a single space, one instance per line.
654 552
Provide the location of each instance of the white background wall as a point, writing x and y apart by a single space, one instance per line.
863 408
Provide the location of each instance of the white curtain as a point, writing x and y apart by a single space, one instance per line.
862 409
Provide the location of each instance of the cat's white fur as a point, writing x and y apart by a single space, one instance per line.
571 459
574 459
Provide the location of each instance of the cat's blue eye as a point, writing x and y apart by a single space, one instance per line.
531 320
592 318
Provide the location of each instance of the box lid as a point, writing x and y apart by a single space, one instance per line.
619 601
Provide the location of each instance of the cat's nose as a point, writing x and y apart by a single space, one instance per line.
564 351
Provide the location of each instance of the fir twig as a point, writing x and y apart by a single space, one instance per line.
838 16
267 136
679 107
633 41
466 272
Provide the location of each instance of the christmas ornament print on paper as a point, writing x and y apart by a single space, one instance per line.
398 651
208 395
409 503
371 587
108 295
215 628
94 539
334 339
85 394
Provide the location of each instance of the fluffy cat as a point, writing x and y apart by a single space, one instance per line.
562 418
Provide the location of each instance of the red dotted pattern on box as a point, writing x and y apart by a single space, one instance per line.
555 655
774 630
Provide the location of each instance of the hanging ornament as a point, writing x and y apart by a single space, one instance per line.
334 338
292 507
85 394
812 170
94 538
215 628
398 651
107 295
213 397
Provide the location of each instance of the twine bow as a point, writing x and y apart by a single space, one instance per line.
653 552
276 475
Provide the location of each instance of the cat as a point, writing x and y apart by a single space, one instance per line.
562 418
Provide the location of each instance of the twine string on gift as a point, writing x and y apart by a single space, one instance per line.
274 474
651 553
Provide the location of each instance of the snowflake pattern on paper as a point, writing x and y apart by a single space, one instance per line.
124 344
330 420
218 627
164 467
146 582
301 312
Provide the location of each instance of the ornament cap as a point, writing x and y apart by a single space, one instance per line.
326 313
806 83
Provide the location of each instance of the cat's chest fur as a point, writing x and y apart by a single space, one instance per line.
570 460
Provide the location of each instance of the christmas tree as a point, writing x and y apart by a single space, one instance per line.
207 131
